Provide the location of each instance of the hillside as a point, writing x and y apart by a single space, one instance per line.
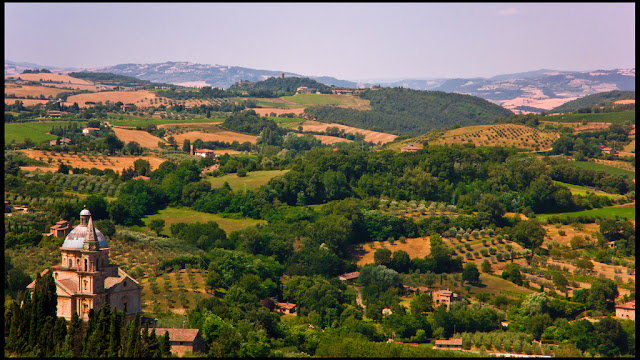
599 99
287 84
113 79
410 112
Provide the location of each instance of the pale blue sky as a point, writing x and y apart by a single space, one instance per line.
353 41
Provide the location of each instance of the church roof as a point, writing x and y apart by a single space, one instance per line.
76 238
84 232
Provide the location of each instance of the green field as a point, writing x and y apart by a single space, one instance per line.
582 191
145 122
253 180
321 99
601 167
271 104
612 117
172 215
628 212
36 131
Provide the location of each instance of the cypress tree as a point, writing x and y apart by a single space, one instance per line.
115 327
73 340
59 336
165 345
154 346
91 326
45 342
15 341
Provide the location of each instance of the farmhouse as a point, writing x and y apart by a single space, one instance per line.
89 129
349 276
127 107
445 297
409 148
54 113
286 308
62 141
61 229
626 310
86 280
303 90
182 340
452 344
204 153
342 91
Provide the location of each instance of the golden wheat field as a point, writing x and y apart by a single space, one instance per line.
326 139
25 102
221 135
140 136
126 97
370 136
116 163
31 90
50 77
277 111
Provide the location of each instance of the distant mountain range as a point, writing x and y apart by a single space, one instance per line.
532 91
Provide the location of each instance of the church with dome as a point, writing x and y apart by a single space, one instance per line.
86 280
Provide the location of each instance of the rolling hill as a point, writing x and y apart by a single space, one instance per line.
599 99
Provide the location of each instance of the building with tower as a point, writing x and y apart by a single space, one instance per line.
86 280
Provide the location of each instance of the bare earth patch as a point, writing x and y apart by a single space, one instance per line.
415 247
83 161
369 136
278 111
221 135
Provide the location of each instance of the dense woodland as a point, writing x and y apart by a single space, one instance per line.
411 112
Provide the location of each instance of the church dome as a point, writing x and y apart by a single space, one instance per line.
76 238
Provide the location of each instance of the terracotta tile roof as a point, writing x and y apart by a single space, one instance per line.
349 276
69 285
631 305
286 305
454 341
178 334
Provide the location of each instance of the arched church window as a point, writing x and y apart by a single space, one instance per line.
70 263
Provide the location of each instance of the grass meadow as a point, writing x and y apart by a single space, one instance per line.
253 180
602 167
172 215
36 131
321 99
582 191
628 212
613 117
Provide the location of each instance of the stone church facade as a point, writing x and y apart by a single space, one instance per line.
86 280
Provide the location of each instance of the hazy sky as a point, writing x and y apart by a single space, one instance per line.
352 41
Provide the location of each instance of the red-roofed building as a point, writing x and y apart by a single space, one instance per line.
409 148
204 153
183 340
61 229
89 129
286 308
627 310
445 297
349 276
452 344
